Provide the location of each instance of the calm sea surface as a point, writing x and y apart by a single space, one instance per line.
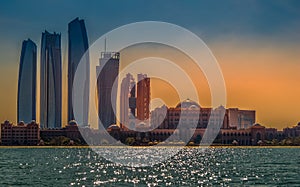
190 167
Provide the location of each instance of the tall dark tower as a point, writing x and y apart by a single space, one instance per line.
27 83
108 72
78 45
51 81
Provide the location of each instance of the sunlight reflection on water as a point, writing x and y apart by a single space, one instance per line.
215 166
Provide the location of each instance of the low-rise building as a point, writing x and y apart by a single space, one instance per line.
188 112
70 131
20 134
292 132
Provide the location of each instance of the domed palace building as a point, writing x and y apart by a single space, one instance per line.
189 114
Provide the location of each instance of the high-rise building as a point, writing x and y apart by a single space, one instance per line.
108 72
50 81
132 99
127 101
27 83
143 97
78 45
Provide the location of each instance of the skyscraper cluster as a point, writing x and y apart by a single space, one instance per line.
135 97
51 76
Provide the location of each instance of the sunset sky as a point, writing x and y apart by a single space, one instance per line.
256 43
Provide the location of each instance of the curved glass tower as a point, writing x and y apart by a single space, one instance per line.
51 81
27 83
78 45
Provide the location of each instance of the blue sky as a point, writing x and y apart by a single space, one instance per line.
214 20
21 19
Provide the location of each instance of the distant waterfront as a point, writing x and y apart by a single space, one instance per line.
191 167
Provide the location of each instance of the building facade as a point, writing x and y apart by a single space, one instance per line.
50 81
26 109
143 97
189 111
292 132
240 119
77 47
254 135
71 130
107 73
20 134
127 100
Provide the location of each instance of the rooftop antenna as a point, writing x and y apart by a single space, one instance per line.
105 45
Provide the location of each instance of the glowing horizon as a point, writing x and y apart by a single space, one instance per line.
242 92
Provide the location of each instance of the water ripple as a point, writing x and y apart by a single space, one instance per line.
190 167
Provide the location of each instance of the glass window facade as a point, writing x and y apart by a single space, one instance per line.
78 46
26 109
50 81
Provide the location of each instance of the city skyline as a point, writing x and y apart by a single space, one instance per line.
150 93
256 51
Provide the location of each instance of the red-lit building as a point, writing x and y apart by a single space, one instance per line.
20 134
143 97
